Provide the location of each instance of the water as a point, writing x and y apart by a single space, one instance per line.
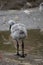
34 20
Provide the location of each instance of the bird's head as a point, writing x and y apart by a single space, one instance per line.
11 22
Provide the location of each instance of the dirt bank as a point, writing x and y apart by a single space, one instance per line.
18 4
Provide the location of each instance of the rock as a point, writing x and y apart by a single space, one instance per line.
27 5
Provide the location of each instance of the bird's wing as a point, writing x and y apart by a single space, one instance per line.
23 28
14 28
19 27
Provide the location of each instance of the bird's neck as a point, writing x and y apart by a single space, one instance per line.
11 26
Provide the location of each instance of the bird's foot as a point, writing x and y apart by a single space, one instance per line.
18 54
24 55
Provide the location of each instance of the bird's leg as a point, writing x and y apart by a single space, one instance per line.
22 48
17 48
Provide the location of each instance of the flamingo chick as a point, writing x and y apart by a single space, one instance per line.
18 32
